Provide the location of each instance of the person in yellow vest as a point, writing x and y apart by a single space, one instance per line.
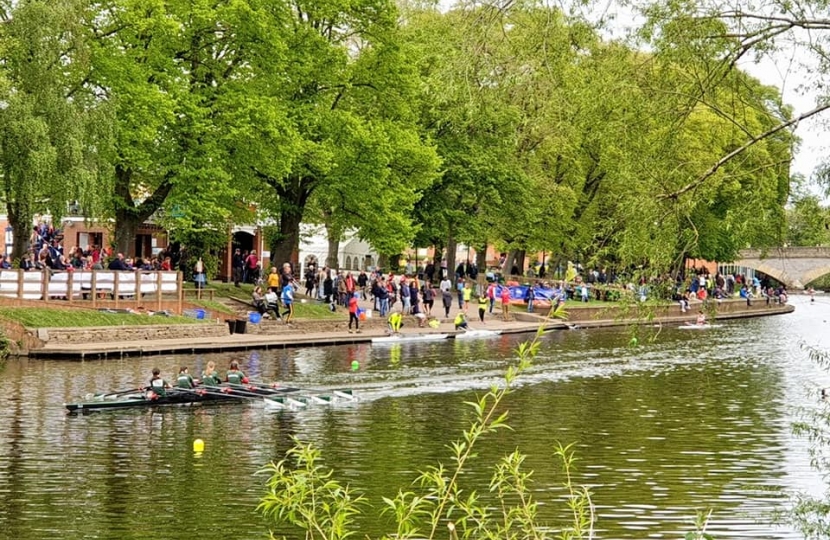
468 295
461 321
395 322
483 302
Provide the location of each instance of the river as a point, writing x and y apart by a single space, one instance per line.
685 421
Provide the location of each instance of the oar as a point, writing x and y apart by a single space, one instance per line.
102 397
261 389
211 391
274 387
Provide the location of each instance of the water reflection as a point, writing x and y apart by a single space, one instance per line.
685 422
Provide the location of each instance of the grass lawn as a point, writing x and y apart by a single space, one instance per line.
56 318
310 309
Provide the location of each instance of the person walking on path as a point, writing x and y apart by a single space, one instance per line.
491 296
446 298
505 303
288 302
353 313
482 307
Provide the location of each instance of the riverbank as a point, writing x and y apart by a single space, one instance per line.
214 336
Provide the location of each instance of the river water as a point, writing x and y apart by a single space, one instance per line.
685 421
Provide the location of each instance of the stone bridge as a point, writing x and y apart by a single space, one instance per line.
795 267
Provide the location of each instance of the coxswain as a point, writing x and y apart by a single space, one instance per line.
158 386
184 380
210 377
235 375
461 321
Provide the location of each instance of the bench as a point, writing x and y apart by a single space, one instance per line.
199 293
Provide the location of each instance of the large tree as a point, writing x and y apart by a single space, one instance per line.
189 106
54 133
347 92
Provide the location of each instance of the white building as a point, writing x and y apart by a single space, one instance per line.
353 253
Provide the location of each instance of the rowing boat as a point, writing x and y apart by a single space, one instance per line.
693 326
179 396
475 334
406 338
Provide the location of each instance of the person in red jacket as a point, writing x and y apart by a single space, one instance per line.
353 313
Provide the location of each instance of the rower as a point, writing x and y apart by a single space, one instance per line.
701 318
235 375
184 380
210 377
158 386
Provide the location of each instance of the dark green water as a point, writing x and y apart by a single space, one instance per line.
695 419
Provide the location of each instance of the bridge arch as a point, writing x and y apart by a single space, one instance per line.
795 267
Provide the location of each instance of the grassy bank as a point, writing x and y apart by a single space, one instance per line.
59 318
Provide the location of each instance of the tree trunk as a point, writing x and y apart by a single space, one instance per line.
509 261
333 237
451 245
286 247
395 263
293 194
21 231
437 257
520 260
126 225
481 259
128 214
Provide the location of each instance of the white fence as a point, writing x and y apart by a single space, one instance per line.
83 284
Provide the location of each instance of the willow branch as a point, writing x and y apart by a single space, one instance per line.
738 151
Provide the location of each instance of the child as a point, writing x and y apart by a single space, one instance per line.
353 314
288 302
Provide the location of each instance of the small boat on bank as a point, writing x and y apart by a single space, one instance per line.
477 334
407 338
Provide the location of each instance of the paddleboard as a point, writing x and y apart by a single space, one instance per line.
699 326
406 338
475 334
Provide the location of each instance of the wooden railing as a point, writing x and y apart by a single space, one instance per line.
137 287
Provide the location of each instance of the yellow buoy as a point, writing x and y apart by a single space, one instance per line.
198 446
355 365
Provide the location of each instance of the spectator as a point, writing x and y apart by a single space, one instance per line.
118 263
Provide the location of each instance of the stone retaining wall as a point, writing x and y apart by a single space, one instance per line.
104 334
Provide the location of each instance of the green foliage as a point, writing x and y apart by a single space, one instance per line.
810 514
303 494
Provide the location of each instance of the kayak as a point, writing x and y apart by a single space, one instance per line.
406 338
475 334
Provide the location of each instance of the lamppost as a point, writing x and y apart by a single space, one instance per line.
9 240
